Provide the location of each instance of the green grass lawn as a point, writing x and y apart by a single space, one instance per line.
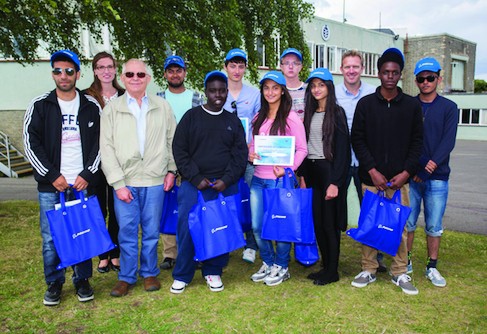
296 306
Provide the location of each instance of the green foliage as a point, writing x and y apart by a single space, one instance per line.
480 86
295 306
202 31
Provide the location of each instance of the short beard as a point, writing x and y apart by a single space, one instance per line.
175 86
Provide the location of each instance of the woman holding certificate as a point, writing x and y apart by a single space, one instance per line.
325 169
278 141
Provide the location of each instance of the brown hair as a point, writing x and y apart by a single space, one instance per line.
95 88
353 53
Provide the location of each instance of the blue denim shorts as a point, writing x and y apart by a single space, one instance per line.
434 195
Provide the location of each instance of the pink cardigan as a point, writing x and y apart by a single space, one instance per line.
295 127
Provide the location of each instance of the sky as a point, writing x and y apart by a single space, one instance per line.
466 19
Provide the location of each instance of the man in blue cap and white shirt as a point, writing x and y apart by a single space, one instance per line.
387 137
181 100
291 65
430 184
61 140
243 100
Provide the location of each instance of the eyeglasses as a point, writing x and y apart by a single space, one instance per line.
103 68
139 74
429 78
289 63
69 71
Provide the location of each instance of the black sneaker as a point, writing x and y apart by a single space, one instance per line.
52 297
84 291
167 263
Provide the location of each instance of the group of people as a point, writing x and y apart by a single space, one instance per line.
129 148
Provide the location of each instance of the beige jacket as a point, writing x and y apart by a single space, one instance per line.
120 156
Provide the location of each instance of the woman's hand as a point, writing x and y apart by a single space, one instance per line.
278 171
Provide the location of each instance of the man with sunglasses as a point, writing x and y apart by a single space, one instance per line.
61 132
430 184
181 100
136 150
244 101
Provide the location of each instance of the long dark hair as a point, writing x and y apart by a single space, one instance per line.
333 115
95 88
279 125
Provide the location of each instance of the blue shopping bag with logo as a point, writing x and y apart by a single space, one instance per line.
214 227
78 229
169 218
306 254
288 214
244 214
381 222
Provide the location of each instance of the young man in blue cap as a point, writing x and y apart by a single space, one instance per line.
430 184
244 101
61 133
387 132
291 65
181 100
211 155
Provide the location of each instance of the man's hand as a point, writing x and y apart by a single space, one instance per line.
60 184
430 166
417 179
379 180
219 185
331 192
398 181
205 183
124 195
169 181
80 184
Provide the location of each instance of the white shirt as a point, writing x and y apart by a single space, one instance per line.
140 113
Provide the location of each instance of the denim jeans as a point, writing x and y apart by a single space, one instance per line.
82 270
185 267
434 194
144 210
280 255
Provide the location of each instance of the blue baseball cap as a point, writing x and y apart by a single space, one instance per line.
275 76
236 53
391 54
427 64
66 54
292 51
174 60
320 73
215 74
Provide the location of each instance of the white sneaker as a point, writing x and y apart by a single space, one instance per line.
263 272
214 282
435 277
277 275
404 282
178 286
363 279
249 255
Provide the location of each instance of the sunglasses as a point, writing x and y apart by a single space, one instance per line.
429 78
140 75
69 71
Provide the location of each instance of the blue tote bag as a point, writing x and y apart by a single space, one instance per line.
381 222
78 230
288 214
169 218
306 254
215 227
244 208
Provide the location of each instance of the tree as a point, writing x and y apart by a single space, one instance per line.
202 31
480 86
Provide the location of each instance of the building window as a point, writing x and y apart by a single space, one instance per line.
473 116
458 75
320 55
265 60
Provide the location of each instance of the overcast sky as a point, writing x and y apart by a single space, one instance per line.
462 18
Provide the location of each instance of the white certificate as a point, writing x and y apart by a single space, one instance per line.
274 150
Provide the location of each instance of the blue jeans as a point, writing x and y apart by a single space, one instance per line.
281 255
82 270
185 268
434 194
144 210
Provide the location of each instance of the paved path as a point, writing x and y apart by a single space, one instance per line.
467 204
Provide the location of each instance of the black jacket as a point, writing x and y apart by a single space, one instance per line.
387 135
42 139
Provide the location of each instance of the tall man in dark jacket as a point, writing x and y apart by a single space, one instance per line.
387 134
61 133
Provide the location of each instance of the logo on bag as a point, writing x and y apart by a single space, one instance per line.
278 217
175 212
245 200
216 229
385 228
75 235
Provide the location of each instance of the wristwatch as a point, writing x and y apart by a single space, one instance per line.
175 172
